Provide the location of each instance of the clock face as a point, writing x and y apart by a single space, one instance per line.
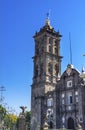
68 71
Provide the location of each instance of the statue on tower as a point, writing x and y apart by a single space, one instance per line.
23 109
79 127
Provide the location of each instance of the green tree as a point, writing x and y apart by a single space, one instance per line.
2 112
10 120
28 119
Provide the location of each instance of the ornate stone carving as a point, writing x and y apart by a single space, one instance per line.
79 127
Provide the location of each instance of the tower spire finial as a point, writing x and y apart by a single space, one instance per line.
47 15
47 22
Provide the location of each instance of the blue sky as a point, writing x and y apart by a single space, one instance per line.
19 20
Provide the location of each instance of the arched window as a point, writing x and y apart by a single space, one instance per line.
41 69
50 40
49 67
56 68
70 123
49 48
56 50
56 42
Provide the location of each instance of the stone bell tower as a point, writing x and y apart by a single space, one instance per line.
47 68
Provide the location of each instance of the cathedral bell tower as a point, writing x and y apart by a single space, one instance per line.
47 69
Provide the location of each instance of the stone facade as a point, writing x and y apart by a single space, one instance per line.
47 67
70 105
59 98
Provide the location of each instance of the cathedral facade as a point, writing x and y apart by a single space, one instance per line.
56 99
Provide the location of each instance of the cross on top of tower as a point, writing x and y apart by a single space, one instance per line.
48 15
47 22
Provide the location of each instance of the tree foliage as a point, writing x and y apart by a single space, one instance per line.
2 112
9 119
28 119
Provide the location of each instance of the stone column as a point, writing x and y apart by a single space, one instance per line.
22 119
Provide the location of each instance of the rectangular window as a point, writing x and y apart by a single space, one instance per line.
69 98
50 102
69 84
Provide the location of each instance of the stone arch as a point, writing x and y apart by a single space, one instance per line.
70 123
